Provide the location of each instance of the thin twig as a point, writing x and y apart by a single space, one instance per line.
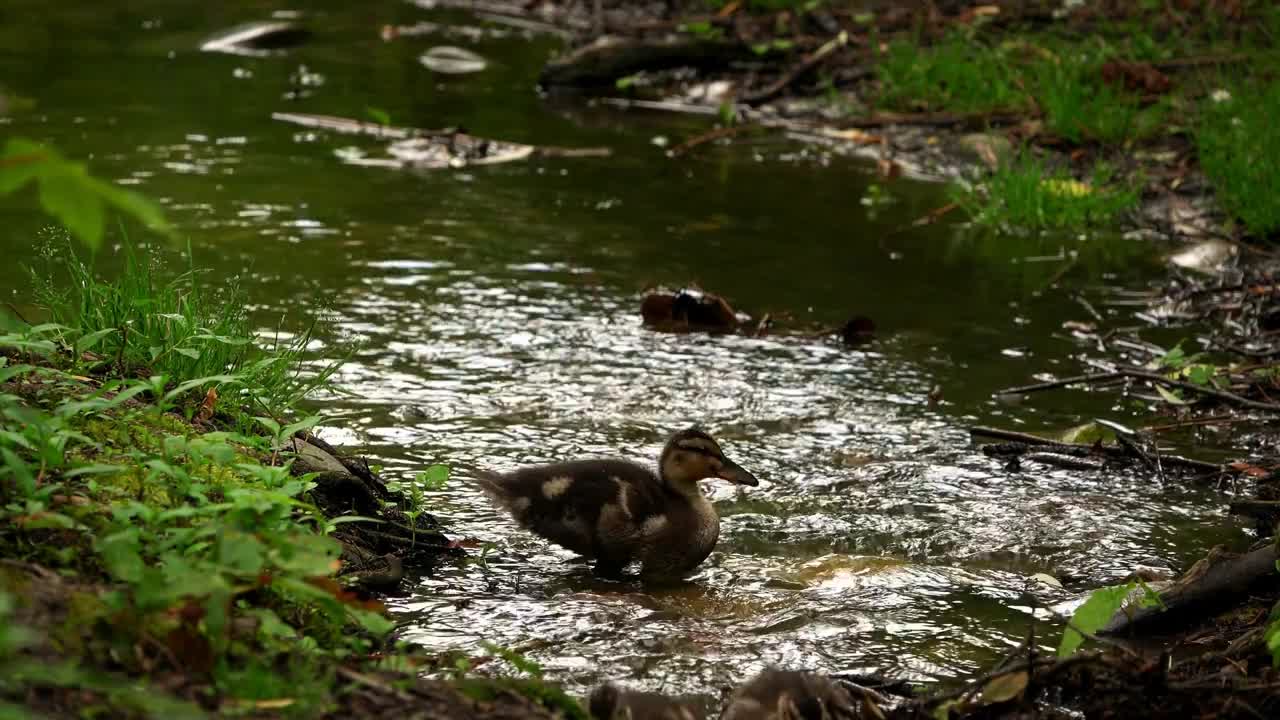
1074 380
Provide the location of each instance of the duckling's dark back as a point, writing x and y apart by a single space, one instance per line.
790 695
563 502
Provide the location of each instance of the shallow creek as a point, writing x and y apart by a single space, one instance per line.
493 318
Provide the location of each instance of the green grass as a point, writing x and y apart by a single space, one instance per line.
198 547
1080 107
959 74
1026 194
140 324
1238 142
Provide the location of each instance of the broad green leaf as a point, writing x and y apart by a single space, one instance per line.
241 552
305 423
21 472
22 162
64 196
13 371
434 477
87 342
188 352
1095 613
131 203
122 555
269 424
96 469
1170 396
376 623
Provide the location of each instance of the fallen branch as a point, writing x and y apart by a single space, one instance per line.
800 69
1064 382
937 119
1138 374
1215 578
709 136
604 61
1111 451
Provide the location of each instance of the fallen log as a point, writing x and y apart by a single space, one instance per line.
1213 581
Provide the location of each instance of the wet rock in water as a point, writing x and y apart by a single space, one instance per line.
258 38
449 60
790 695
858 330
687 310
614 702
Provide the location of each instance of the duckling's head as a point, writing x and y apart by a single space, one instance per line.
691 455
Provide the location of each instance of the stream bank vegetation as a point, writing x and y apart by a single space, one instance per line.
1147 108
175 543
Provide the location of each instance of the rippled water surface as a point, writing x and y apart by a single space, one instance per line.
492 314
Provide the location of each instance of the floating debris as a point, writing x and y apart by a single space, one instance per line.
257 38
450 60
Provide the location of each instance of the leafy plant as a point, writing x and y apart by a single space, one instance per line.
1098 610
1239 148
958 74
1026 194
69 193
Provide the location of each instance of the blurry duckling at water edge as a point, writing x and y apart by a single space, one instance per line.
613 702
616 511
790 695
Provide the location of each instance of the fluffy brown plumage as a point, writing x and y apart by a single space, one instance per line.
790 695
613 702
616 511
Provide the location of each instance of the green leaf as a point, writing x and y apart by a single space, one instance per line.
129 202
1172 397
434 477
520 662
378 624
21 163
63 195
269 424
1201 374
87 342
188 352
122 555
13 371
304 424
241 552
20 471
1174 358
96 469
1095 613
380 116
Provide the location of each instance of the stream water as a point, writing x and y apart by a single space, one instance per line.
492 316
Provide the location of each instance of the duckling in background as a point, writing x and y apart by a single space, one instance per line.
616 512
790 695
612 702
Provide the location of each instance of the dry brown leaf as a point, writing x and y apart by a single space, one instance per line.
206 407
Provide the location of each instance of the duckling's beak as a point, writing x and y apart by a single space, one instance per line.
732 472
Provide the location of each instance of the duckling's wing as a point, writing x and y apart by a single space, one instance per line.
596 508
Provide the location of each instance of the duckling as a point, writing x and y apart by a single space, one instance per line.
790 695
616 511
613 702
